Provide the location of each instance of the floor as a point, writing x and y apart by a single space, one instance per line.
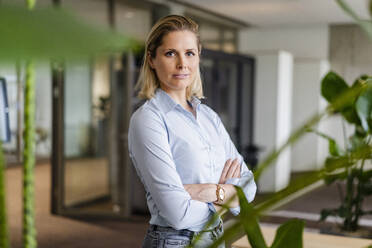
57 232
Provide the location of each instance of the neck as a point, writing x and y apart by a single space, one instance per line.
178 96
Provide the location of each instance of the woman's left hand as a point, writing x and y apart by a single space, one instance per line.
230 170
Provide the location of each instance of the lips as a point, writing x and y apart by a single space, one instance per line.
180 76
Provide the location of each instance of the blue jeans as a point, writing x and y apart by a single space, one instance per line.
168 237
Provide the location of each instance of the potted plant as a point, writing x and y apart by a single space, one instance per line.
354 180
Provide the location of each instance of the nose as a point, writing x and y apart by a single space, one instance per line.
181 63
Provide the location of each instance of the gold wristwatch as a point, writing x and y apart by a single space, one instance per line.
220 192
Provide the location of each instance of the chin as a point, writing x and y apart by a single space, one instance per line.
179 85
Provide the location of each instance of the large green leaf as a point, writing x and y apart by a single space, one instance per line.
249 219
370 8
333 86
295 136
231 233
341 97
289 235
366 25
364 108
53 33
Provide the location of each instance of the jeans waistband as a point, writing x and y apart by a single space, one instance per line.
183 232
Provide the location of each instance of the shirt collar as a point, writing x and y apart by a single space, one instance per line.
167 103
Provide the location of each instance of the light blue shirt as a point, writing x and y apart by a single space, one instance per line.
169 147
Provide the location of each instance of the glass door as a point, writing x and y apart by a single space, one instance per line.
91 109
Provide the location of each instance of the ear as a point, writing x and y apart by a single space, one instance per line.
151 62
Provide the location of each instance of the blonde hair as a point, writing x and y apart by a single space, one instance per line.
148 81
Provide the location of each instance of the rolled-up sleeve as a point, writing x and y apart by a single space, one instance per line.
246 180
151 155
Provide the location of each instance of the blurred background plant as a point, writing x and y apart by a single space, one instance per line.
46 34
357 112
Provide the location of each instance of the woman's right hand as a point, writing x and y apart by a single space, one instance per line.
230 170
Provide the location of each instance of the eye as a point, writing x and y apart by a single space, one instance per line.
169 54
190 54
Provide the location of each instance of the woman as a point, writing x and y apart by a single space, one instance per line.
179 147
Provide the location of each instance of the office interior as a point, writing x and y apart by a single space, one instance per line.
261 67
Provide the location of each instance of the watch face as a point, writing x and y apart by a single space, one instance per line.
221 194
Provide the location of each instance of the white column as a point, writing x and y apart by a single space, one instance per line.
273 94
310 150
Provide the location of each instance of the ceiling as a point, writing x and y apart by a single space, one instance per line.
274 13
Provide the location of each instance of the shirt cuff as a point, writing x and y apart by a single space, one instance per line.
211 207
234 181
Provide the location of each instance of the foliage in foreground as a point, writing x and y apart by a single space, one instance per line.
341 101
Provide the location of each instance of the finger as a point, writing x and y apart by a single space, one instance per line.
232 168
237 171
225 170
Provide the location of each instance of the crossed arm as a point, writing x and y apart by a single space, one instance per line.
207 192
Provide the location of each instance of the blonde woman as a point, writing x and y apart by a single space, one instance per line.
179 147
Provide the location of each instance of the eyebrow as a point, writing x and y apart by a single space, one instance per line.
173 49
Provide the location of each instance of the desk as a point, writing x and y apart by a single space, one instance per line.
311 240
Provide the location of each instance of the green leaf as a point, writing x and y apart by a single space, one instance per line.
289 235
332 163
249 220
53 33
350 114
333 86
361 79
370 8
294 188
231 233
356 142
336 91
359 132
330 178
333 148
364 108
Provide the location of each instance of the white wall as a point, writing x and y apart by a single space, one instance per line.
309 47
272 118
308 42
308 73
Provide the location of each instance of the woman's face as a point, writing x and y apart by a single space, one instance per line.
176 61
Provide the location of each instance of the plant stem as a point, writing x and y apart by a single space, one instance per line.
29 231
359 197
349 201
4 241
